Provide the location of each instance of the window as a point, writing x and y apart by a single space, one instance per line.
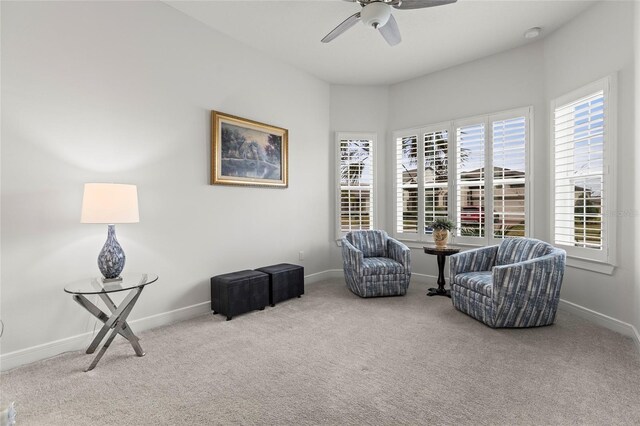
582 152
422 192
436 176
470 180
356 177
407 184
459 165
509 177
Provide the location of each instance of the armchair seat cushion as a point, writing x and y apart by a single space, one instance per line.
381 266
480 282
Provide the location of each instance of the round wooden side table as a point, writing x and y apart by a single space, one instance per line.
441 253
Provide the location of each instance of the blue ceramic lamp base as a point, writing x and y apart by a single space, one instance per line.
111 258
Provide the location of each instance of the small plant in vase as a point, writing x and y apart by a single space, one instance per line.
441 228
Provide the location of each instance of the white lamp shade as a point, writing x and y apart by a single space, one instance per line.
109 203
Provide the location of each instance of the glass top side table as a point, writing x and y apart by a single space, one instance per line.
134 282
97 285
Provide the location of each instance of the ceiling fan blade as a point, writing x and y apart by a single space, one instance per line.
419 4
344 26
390 31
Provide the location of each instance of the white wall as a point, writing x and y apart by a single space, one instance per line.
363 109
500 82
122 92
597 43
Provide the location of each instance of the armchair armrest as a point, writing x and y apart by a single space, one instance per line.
399 252
480 259
534 281
351 256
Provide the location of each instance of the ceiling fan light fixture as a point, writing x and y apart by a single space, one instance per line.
375 14
532 32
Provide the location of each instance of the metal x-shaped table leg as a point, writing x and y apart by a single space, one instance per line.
117 321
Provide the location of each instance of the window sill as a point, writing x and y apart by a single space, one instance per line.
590 265
572 261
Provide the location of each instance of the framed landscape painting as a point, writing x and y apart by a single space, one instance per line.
246 152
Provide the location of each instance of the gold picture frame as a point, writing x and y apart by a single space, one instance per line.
248 153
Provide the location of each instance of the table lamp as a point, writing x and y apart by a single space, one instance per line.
110 203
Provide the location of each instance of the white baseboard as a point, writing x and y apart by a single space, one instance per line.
324 275
74 343
588 314
78 342
636 337
423 278
46 350
603 320
170 317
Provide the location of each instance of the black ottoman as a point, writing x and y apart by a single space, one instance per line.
285 281
239 292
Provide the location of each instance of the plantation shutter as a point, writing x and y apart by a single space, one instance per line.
356 184
466 170
470 180
579 131
509 177
407 184
436 177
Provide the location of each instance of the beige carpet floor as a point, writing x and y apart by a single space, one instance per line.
333 358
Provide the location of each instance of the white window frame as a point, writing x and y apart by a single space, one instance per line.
603 260
422 189
452 202
527 113
488 189
373 137
419 132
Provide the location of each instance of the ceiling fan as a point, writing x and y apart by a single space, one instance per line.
377 14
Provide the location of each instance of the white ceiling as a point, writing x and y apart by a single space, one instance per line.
432 38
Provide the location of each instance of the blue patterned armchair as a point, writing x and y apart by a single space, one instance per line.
375 264
515 284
